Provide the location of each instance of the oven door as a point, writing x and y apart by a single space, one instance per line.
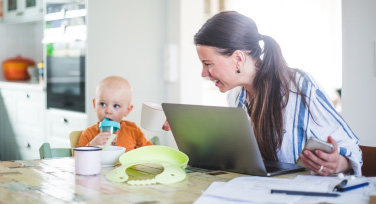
65 51
65 81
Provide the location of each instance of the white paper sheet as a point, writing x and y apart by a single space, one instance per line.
255 189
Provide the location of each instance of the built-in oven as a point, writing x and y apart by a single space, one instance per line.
65 54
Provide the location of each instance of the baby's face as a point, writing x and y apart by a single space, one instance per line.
113 104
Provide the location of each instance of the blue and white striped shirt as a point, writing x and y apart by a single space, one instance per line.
324 121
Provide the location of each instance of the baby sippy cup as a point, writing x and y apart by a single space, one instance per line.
112 127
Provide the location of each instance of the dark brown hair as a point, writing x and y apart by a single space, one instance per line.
230 31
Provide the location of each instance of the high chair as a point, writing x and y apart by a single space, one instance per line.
45 151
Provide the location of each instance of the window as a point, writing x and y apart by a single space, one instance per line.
308 31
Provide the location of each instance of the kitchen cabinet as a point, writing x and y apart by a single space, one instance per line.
61 123
17 11
23 123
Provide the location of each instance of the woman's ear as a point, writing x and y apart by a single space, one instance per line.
239 57
129 109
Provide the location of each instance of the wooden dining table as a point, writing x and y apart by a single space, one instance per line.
54 181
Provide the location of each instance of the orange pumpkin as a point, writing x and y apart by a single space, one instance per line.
16 68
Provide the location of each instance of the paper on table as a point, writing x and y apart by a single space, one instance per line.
218 200
257 190
249 189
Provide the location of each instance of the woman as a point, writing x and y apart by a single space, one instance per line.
285 105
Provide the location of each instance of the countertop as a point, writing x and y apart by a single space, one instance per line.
22 84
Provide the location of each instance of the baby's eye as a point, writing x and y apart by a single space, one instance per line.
102 104
116 106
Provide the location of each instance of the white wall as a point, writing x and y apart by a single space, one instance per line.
127 38
23 39
311 42
185 18
359 74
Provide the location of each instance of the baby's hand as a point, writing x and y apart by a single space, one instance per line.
100 139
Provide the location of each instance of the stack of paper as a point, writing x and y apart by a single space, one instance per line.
255 189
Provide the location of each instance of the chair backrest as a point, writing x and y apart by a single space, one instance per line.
45 151
155 140
74 136
369 160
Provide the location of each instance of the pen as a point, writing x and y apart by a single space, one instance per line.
343 189
340 185
305 193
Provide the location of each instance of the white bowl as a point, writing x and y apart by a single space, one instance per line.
111 156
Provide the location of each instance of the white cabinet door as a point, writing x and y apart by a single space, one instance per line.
29 117
16 11
60 124
23 120
29 114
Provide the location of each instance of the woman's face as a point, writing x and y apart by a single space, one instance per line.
221 70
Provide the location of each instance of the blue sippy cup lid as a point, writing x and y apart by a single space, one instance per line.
109 123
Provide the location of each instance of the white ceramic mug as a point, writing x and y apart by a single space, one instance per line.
87 160
152 116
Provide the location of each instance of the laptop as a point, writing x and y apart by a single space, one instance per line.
220 138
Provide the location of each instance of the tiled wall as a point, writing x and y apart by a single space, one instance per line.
21 39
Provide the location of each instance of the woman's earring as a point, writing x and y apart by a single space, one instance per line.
238 69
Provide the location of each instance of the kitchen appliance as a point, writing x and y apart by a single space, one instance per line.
16 68
65 54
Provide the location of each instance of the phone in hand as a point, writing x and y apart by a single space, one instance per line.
313 144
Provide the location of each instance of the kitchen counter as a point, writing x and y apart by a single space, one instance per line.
21 84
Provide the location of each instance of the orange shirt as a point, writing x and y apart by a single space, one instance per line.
129 136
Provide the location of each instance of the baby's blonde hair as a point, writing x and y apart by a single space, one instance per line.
115 82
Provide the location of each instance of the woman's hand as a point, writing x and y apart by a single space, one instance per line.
166 126
325 163
100 139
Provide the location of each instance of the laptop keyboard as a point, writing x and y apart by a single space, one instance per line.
272 168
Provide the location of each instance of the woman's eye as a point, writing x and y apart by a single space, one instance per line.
207 64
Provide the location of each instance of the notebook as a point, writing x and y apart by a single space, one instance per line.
220 138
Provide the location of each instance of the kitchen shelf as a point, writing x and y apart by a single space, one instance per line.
65 14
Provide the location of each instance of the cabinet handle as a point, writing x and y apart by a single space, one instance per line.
19 13
26 144
27 96
64 120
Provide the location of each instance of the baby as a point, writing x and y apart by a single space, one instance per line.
113 100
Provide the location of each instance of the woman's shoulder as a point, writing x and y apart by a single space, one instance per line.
303 78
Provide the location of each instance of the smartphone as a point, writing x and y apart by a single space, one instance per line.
312 144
